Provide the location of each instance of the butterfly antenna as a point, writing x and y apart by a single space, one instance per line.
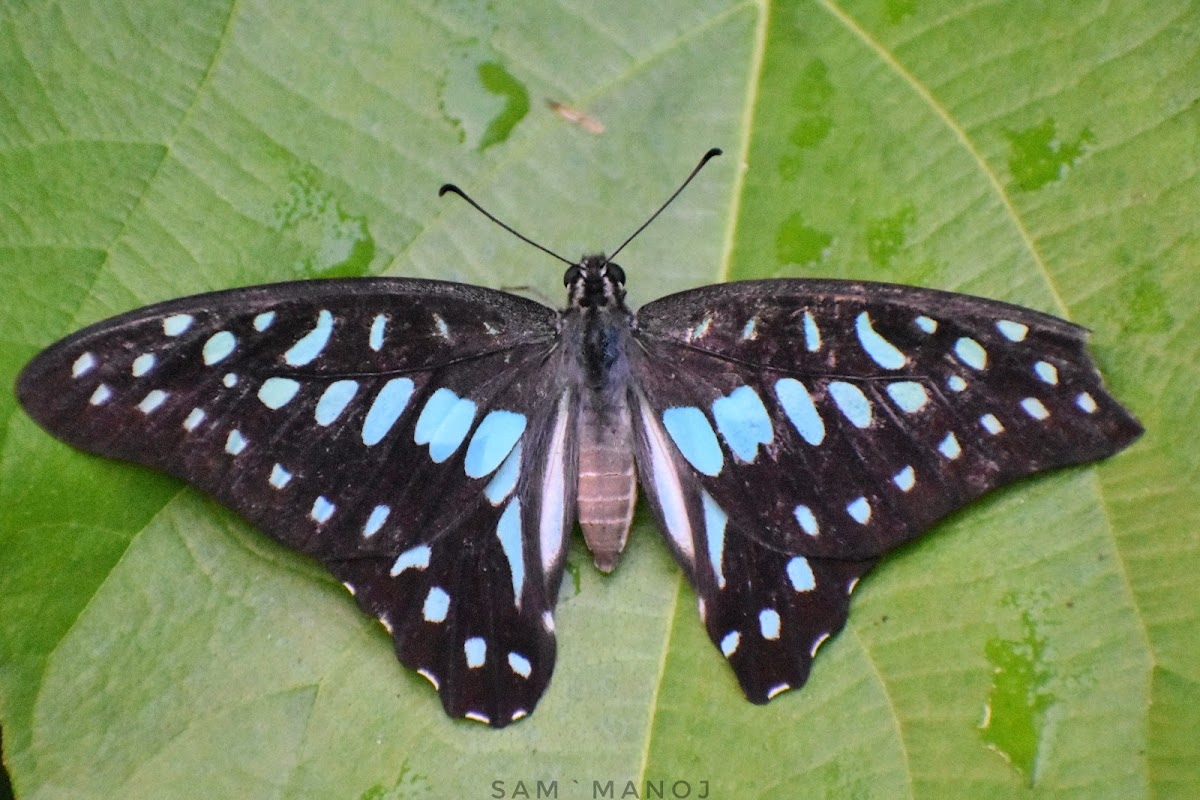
451 188
711 154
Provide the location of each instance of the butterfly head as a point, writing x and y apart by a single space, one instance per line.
595 282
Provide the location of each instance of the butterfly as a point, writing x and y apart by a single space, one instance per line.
433 444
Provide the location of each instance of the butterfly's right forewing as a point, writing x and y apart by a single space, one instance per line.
410 435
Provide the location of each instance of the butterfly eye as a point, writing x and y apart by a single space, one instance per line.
616 273
574 273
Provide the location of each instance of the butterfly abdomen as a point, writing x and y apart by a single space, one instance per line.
597 328
607 482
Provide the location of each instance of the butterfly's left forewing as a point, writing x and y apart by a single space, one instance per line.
791 432
411 435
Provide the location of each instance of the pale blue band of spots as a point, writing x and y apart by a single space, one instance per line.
743 422
493 440
695 438
387 407
798 404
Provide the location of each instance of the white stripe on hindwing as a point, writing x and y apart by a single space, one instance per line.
551 520
666 483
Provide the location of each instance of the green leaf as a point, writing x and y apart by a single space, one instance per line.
1040 643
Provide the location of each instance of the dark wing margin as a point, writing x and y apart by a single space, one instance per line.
791 432
402 432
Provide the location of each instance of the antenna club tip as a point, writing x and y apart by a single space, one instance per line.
713 153
448 187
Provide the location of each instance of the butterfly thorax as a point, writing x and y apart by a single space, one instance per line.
597 324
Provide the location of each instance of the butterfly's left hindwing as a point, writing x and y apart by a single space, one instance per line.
402 432
791 432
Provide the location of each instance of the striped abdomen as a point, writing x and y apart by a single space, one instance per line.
607 482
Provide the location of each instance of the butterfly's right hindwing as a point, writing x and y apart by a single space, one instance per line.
399 431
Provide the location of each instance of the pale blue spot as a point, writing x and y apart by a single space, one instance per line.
1047 372
444 424
695 438
1086 402
101 395
991 424
505 479
701 328
743 422
377 328
279 476
926 324
414 558
714 529
310 346
275 393
176 324
334 400
1013 331
801 411
141 365
476 652
83 365
860 509
379 515
436 408
235 443
194 418
264 320
520 665
769 623
322 510
748 331
910 396
218 347
812 335
881 351
230 380
442 328
387 407
905 479
729 644
971 353
956 383
1034 408
851 402
494 439
508 531
437 605
800 573
949 447
807 520
152 401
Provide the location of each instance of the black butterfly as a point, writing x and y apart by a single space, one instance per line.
432 443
